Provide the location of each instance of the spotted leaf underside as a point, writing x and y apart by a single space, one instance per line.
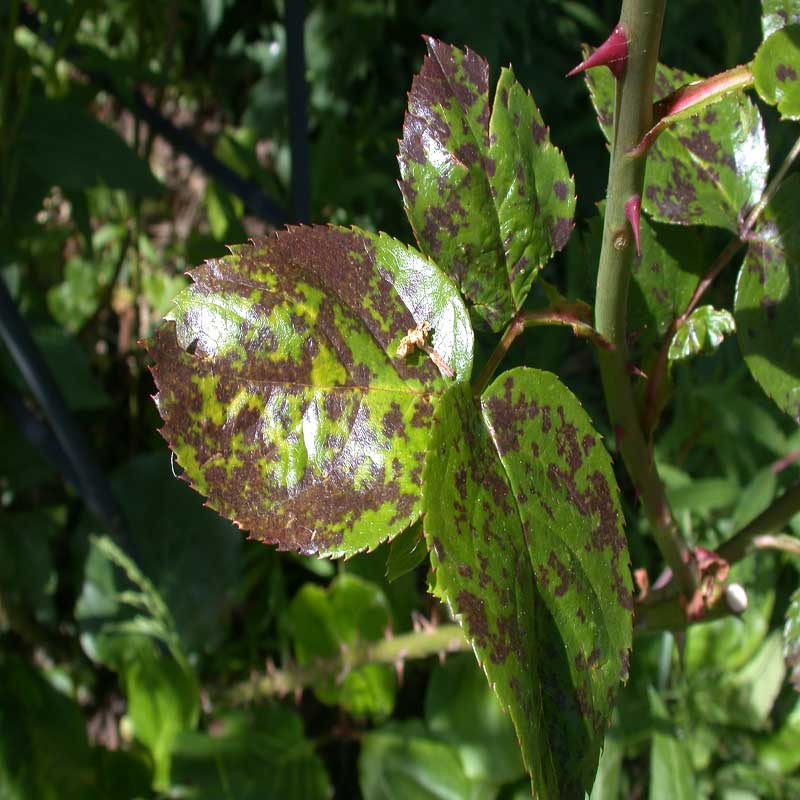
707 169
489 198
525 530
767 304
282 392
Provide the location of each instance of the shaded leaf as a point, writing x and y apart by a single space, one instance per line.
462 709
768 300
777 71
708 169
44 753
28 578
670 766
791 639
259 754
778 13
351 611
282 392
403 761
702 332
489 199
406 553
525 530
65 146
609 770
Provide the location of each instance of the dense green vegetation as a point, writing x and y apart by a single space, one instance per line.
147 648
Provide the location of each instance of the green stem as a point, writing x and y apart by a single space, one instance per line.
394 650
767 522
642 21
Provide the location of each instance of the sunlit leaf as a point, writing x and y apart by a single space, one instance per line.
525 531
767 300
708 169
778 13
488 196
283 394
791 639
702 332
351 611
777 71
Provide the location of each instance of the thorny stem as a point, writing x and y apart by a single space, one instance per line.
391 650
659 370
567 314
642 20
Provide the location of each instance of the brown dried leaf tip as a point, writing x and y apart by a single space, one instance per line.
416 339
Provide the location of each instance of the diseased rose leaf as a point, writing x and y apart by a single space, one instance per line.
708 169
526 536
777 71
775 14
702 332
767 301
489 198
282 392
791 639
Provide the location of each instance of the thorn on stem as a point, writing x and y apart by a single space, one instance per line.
613 53
633 210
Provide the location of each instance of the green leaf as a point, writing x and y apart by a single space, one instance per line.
609 770
671 772
350 612
403 761
462 709
743 697
490 199
406 553
163 701
702 332
44 754
664 279
791 639
27 576
776 68
525 530
195 583
62 144
259 754
283 394
778 13
768 300
708 169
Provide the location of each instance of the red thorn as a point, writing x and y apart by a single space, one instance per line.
632 369
633 210
613 53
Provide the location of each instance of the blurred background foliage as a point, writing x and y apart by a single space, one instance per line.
126 623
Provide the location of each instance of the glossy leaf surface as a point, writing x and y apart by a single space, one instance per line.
284 397
791 639
777 71
490 199
778 13
702 332
768 300
526 539
708 169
